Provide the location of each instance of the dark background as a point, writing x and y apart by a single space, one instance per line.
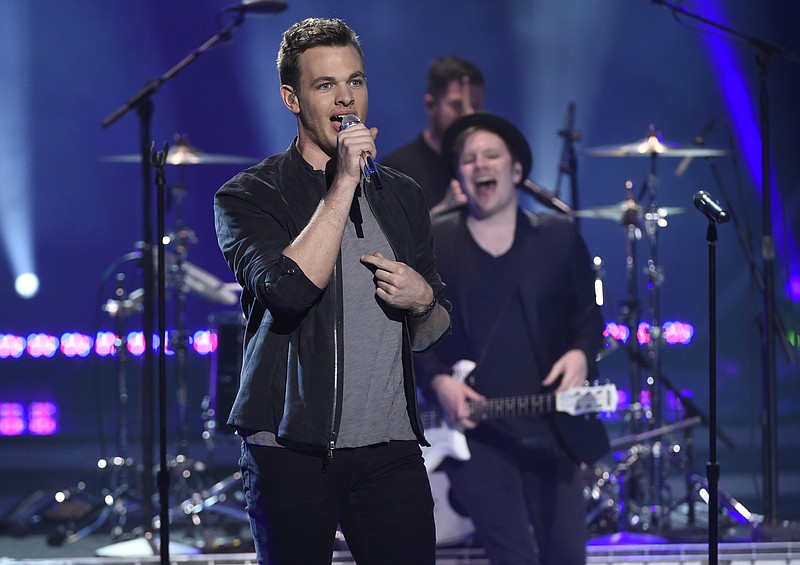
68 64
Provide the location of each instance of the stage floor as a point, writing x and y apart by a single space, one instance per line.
30 550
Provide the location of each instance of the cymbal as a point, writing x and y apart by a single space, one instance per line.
626 211
182 153
652 145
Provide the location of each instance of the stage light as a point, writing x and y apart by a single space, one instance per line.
16 223
12 346
42 418
42 345
27 285
12 419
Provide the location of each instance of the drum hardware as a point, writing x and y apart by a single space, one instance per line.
618 499
226 365
121 502
636 217
142 102
189 475
653 145
83 510
642 217
620 212
183 153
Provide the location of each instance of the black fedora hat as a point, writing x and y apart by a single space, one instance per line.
484 120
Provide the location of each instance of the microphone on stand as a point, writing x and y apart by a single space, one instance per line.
258 7
710 207
545 197
370 168
700 139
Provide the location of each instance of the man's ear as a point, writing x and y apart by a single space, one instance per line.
517 173
290 98
429 102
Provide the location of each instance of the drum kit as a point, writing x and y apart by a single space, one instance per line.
193 494
633 499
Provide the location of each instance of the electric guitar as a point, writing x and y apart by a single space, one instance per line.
449 441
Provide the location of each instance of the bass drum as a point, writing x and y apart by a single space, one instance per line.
451 527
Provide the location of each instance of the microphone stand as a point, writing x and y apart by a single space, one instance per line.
142 102
569 161
544 197
158 159
712 467
764 51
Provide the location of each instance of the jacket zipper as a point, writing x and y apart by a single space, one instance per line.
336 368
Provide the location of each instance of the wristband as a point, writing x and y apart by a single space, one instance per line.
425 312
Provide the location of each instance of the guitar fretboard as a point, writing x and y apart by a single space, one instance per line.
499 408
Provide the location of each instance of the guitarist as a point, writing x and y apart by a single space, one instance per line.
522 290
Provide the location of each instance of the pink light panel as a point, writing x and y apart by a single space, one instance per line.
37 418
103 344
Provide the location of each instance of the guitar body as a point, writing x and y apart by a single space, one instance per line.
584 438
451 527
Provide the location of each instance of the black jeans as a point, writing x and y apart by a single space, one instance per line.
527 506
379 495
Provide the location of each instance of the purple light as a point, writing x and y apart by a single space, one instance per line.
136 343
12 420
645 398
76 344
204 342
676 333
793 285
643 333
619 332
105 344
11 346
42 419
42 345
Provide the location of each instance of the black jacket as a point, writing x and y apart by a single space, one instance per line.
291 382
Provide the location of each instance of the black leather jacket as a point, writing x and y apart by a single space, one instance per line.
291 382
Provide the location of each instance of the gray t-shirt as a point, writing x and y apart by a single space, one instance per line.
374 408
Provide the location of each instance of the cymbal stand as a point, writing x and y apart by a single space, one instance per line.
655 277
630 307
182 237
116 500
121 464
630 317
187 472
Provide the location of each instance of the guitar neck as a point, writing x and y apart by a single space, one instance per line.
513 407
499 408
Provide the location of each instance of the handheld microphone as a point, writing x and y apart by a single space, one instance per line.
710 207
258 7
370 168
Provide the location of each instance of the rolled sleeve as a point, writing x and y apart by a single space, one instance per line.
252 240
